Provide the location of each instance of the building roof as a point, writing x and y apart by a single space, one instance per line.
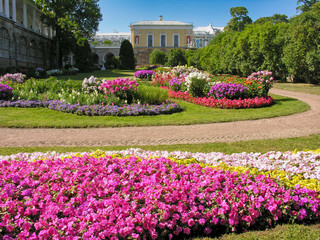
207 30
113 34
161 23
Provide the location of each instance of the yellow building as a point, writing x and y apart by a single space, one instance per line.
163 35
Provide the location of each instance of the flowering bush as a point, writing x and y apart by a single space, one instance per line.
98 110
108 197
54 72
262 81
12 78
224 103
5 92
176 84
123 88
40 72
162 79
91 84
228 90
197 84
144 74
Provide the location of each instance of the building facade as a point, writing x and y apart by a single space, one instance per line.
203 35
24 40
104 44
163 35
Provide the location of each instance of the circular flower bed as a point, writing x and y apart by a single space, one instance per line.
98 110
224 103
107 197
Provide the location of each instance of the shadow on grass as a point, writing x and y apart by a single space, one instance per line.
109 74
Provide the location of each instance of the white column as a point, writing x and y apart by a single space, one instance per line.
34 19
1 7
25 16
6 8
14 10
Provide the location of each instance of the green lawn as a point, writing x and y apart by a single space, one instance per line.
299 87
107 74
193 114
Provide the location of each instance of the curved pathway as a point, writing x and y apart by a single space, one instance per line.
296 125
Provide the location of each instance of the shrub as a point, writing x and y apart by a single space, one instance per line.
263 80
111 61
13 78
151 95
5 92
197 84
157 57
176 57
126 54
54 72
176 84
228 90
91 84
40 73
83 55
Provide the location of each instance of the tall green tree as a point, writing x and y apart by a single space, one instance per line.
126 56
239 19
305 5
302 52
71 20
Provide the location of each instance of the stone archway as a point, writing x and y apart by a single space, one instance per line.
95 57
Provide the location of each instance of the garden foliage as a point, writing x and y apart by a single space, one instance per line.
126 56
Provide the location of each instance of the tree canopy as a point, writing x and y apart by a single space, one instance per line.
239 19
71 20
305 5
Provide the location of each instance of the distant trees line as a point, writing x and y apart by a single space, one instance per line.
290 48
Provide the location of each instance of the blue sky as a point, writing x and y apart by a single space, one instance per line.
118 14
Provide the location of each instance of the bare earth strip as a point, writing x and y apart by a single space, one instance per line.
296 125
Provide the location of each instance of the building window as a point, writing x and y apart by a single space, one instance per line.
176 40
150 40
163 40
136 41
4 39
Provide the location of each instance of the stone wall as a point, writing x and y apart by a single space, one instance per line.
22 47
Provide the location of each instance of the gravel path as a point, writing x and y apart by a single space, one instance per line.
296 125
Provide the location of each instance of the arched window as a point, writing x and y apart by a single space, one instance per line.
4 39
23 46
136 40
188 40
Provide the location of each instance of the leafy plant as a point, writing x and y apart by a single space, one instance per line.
151 95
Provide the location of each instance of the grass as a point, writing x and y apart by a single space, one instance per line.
285 232
193 114
107 74
285 144
299 87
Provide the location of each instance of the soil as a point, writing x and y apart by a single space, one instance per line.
297 125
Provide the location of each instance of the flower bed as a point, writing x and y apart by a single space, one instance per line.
144 74
98 110
104 195
224 103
